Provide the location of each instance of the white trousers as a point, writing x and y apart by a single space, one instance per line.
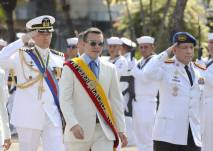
143 121
99 142
51 138
130 132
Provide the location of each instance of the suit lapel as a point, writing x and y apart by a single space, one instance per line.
101 73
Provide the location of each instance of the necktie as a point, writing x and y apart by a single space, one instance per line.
189 74
93 67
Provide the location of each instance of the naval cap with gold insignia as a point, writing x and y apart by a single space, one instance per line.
42 23
184 37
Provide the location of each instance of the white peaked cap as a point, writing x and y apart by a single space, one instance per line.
145 39
72 41
42 23
128 42
3 42
114 41
210 36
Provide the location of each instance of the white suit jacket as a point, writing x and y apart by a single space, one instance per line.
78 108
28 111
3 111
179 101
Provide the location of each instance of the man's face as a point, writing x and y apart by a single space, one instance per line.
146 49
184 52
114 50
210 47
43 39
72 51
93 45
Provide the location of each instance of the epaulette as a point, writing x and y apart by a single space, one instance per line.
169 61
26 49
200 66
57 52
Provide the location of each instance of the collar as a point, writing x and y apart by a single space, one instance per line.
43 52
180 64
128 54
114 59
88 59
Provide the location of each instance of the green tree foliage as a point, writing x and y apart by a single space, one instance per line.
194 16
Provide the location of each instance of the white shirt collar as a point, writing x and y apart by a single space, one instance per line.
43 52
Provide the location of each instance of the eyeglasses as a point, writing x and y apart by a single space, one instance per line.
95 43
72 46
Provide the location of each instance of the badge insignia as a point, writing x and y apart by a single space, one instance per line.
175 91
92 84
201 81
182 38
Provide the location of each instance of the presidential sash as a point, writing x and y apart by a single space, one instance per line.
95 92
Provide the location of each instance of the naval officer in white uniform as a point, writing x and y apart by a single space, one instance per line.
35 113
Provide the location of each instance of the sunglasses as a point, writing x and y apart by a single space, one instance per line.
72 46
94 43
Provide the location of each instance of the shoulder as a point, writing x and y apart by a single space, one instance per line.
106 64
27 49
199 66
58 53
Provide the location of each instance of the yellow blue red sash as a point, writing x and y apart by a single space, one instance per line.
95 91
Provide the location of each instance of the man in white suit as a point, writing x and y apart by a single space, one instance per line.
177 124
35 113
85 127
5 133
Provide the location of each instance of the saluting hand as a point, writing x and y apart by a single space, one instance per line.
171 49
25 38
7 143
77 131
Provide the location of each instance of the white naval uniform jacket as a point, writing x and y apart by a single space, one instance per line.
131 62
145 89
5 130
179 101
121 65
28 111
207 112
78 108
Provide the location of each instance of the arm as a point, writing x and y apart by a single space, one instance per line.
5 61
3 111
66 86
154 69
116 98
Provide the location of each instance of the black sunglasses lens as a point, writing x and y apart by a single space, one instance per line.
101 44
93 43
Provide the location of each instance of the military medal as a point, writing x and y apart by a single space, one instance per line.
175 91
91 84
201 81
